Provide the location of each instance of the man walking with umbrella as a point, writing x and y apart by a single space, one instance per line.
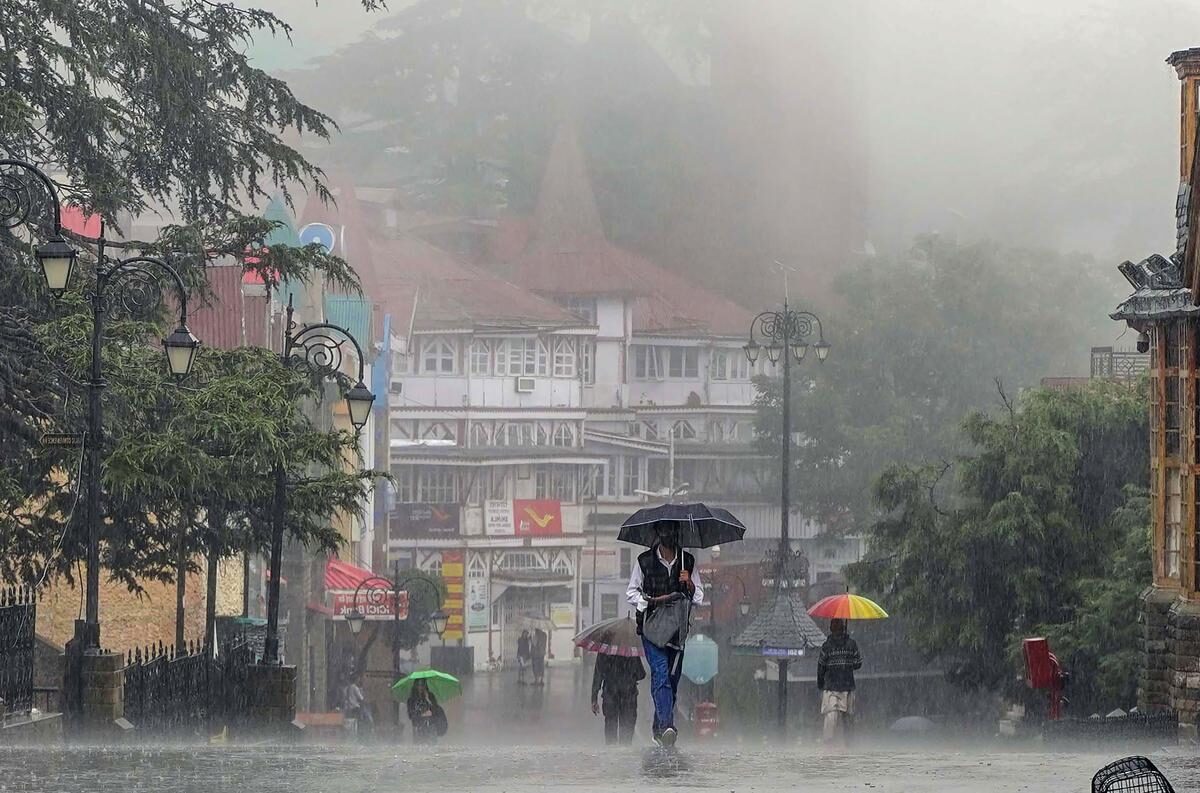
660 585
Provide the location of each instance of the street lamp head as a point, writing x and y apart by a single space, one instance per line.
822 348
744 606
1143 342
359 400
773 352
57 259
799 351
752 350
355 620
439 619
181 349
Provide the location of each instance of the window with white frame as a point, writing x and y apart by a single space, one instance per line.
481 358
587 361
564 357
555 482
683 362
406 484
497 484
683 431
631 474
561 567
564 434
437 485
646 362
649 430
500 434
404 429
434 568
589 477
729 365
523 357
438 356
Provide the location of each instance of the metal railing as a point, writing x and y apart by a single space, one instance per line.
18 619
186 691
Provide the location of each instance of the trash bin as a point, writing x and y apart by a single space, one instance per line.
707 719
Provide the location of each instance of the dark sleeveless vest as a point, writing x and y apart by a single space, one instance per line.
658 580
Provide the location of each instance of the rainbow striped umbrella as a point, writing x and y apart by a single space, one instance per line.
847 607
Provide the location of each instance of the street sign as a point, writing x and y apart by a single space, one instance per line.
69 440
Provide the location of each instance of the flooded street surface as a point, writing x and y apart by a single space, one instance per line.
369 769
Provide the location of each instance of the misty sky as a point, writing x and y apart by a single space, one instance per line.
1048 122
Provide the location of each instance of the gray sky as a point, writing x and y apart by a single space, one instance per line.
1031 121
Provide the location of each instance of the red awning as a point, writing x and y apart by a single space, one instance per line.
343 576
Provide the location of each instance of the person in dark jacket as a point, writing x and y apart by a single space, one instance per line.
617 676
427 717
524 656
539 646
835 678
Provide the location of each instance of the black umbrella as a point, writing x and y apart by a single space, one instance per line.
694 525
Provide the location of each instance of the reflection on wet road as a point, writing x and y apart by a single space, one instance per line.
375 769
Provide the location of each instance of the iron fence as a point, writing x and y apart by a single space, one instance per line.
187 691
1159 729
18 619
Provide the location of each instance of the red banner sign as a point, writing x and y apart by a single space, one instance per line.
373 604
537 518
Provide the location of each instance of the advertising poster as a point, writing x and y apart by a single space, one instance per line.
478 607
498 518
452 574
424 522
537 518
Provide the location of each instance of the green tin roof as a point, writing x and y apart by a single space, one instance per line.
353 314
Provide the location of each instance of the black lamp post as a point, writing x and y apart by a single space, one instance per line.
317 348
784 335
136 281
377 588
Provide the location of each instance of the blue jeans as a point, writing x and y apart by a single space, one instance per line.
666 666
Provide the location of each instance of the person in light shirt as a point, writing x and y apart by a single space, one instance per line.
659 574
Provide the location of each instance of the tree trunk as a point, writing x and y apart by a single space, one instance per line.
180 588
216 529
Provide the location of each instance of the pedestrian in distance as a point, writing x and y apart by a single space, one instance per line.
427 717
540 642
357 707
835 678
663 576
524 656
616 677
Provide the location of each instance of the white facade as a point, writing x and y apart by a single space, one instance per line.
583 417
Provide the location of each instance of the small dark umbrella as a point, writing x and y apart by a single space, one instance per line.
695 525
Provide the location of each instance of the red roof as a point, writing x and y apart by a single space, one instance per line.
232 316
344 576
568 253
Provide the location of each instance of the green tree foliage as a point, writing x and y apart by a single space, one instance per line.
919 342
136 107
1102 636
1014 534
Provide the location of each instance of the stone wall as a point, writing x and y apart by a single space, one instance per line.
1154 691
1183 648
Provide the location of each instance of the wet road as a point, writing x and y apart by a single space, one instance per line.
515 769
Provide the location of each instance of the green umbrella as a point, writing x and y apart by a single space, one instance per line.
441 685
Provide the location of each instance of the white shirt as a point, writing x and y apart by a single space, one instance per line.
634 592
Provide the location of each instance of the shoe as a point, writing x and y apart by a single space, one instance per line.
668 737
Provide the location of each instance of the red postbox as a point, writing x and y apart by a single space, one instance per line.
707 719
1042 671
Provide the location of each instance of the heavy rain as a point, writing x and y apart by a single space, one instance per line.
506 395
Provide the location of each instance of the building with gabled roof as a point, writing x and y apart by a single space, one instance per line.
1163 308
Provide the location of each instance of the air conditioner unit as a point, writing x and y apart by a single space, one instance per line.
525 385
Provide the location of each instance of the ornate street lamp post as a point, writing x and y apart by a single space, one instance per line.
377 588
784 337
317 348
136 280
